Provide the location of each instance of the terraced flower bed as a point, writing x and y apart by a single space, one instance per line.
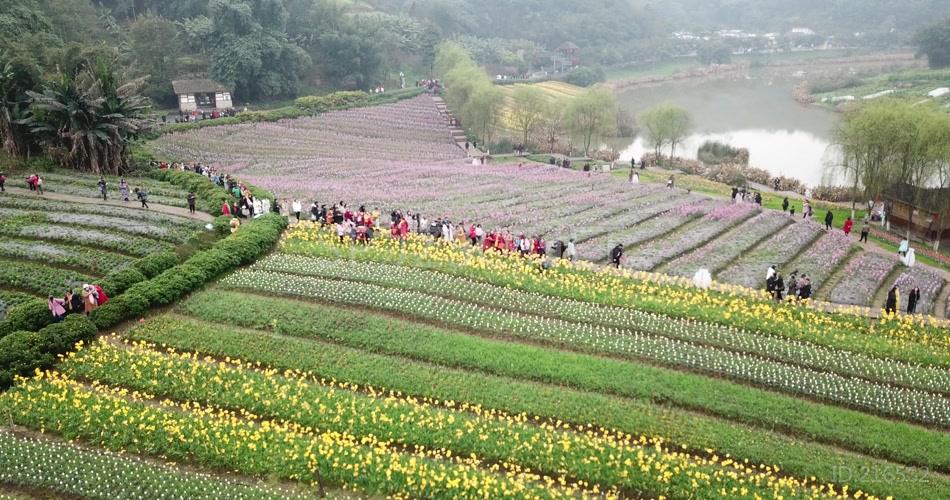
906 403
39 279
651 254
749 269
74 256
929 282
862 277
66 469
823 258
726 248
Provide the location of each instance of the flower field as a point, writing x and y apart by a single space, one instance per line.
436 371
862 277
726 248
929 283
402 156
433 369
778 250
48 246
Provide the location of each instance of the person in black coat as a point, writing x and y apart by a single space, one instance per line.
616 254
828 218
778 288
804 289
785 204
912 299
890 305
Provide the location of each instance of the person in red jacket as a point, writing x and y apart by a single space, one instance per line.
225 208
848 224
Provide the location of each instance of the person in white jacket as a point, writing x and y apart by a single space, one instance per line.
296 207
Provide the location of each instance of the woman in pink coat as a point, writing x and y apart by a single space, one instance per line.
56 308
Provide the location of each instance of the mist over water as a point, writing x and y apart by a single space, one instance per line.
782 136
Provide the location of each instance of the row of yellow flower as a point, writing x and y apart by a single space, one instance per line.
128 420
599 459
725 303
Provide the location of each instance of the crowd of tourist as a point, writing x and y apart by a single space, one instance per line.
87 300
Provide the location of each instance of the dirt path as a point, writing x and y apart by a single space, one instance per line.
134 205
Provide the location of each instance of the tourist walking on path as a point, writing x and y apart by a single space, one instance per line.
616 254
39 184
56 308
123 189
893 299
191 202
778 287
669 182
102 187
865 230
828 218
296 207
3 180
912 300
848 224
785 204
571 251
142 195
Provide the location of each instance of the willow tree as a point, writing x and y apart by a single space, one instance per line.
665 124
86 119
592 115
527 110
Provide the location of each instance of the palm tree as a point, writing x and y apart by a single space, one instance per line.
17 76
86 119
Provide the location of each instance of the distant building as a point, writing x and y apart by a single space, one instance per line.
930 216
802 31
202 95
565 56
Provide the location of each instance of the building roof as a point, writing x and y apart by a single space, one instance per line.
198 86
931 199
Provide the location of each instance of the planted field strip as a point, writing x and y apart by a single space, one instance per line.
651 254
772 347
66 469
130 214
911 404
111 240
862 277
599 457
39 279
10 299
909 338
137 228
929 282
636 212
112 184
780 249
96 261
254 445
280 349
725 249
823 258
598 249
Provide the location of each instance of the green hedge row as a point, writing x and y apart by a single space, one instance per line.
22 352
34 343
253 240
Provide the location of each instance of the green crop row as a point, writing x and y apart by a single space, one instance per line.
910 404
518 394
773 347
595 456
241 441
69 470
906 338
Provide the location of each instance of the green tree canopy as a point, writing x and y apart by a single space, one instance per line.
592 115
934 42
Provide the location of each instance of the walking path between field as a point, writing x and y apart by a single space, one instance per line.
458 134
152 207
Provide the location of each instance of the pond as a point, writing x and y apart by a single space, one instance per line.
782 136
